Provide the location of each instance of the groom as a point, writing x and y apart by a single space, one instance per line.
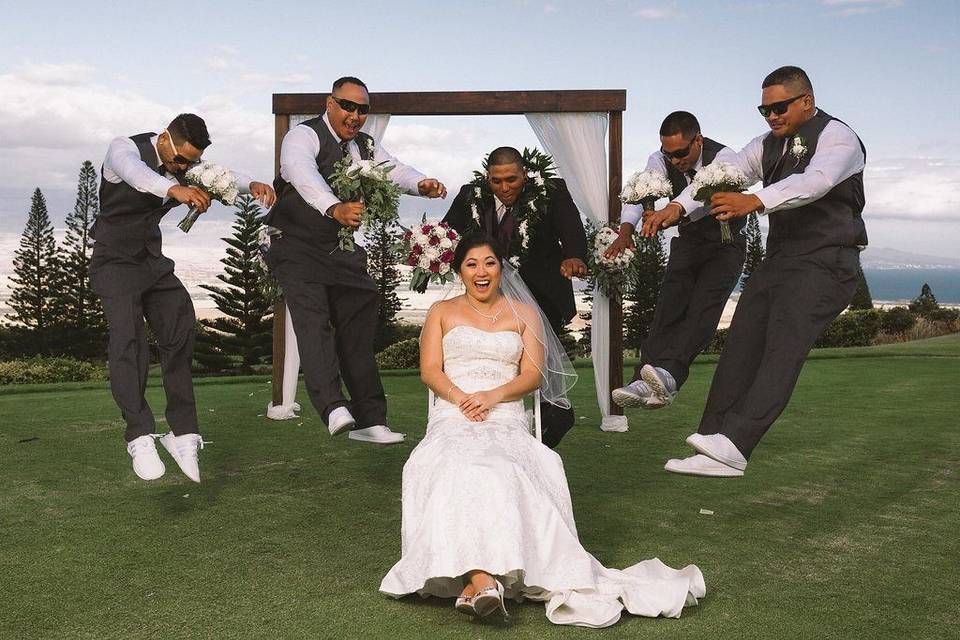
142 178
811 166
331 297
557 251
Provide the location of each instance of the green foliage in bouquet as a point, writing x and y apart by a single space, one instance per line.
369 183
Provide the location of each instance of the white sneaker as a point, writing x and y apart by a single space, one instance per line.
701 465
377 434
661 383
184 450
636 394
340 420
720 448
146 461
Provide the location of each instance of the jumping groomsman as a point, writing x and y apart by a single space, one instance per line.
331 297
557 251
700 274
142 179
811 166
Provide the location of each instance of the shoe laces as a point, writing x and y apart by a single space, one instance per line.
139 445
191 445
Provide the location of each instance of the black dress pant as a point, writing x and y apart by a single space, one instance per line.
555 421
789 302
131 289
698 280
335 326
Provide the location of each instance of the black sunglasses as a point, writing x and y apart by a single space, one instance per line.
349 106
679 153
179 159
778 108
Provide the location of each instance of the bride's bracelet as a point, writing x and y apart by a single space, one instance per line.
449 399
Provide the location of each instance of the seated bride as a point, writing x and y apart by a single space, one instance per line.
487 514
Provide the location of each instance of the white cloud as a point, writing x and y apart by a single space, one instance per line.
913 189
860 7
655 13
550 8
55 74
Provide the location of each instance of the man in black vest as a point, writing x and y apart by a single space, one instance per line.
142 178
557 250
811 166
700 274
331 297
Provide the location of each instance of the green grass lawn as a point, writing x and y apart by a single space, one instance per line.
845 526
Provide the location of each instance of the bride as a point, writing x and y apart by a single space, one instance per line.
486 508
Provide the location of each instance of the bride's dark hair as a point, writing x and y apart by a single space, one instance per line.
473 241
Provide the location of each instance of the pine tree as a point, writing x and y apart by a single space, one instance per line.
646 279
380 240
38 274
861 298
82 305
755 249
246 325
926 302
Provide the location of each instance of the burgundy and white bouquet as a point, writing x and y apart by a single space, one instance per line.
610 274
217 181
429 249
719 177
645 188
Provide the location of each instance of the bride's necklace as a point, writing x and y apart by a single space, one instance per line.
492 318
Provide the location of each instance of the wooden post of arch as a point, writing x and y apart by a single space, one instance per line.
474 103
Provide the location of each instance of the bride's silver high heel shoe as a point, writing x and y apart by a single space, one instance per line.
489 600
464 604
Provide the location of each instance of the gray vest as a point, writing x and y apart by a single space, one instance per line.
833 220
707 228
129 220
291 214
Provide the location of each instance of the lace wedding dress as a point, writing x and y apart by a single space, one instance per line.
489 496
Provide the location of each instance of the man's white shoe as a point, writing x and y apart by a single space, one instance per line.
184 450
377 434
146 461
701 465
340 420
720 448
636 394
661 383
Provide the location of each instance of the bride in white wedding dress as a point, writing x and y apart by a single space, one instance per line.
486 509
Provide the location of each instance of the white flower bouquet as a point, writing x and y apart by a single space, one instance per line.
217 181
367 182
645 188
429 249
719 177
610 274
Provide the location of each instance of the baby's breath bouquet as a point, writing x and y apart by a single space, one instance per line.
367 182
645 188
610 274
719 177
217 181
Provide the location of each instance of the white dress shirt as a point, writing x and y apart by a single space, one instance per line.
500 208
837 157
123 164
298 166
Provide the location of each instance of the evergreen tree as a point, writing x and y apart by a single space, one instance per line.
380 241
82 305
861 298
246 325
926 302
645 281
38 274
755 249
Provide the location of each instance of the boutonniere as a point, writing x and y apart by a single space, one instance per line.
369 143
798 149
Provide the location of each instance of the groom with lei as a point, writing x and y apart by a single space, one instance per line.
530 212
330 295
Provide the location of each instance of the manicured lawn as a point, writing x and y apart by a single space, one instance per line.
845 526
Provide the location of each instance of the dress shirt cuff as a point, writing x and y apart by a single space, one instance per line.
410 184
631 213
243 182
771 197
161 185
323 202
690 206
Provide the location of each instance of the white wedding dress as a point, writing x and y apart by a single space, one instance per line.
489 496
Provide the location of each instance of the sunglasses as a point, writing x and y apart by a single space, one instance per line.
349 106
177 158
679 153
778 108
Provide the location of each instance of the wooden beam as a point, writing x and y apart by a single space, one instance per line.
615 172
463 103
281 126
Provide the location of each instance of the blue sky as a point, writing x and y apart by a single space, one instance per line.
73 75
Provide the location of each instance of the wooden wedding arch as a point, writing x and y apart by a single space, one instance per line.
474 103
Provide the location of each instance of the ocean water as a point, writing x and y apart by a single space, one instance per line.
905 284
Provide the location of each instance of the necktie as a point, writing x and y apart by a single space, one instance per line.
506 228
344 148
691 174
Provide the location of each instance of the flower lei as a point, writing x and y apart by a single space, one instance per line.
530 206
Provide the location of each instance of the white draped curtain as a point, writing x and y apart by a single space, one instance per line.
577 142
375 126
